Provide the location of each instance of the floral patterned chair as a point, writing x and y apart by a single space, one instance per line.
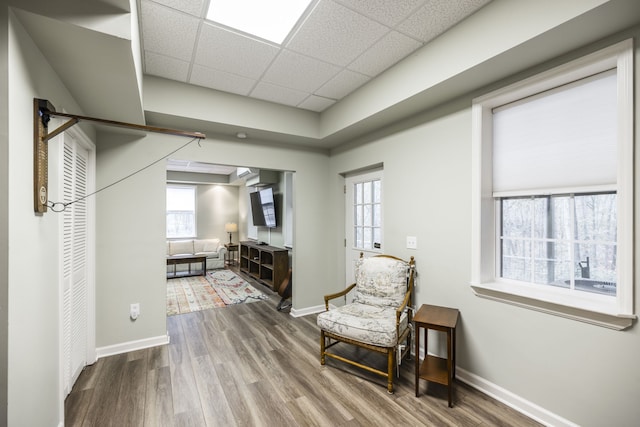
378 318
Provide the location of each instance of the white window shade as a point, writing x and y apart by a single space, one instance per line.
561 139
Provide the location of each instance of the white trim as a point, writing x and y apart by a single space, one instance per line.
592 315
512 400
126 347
306 311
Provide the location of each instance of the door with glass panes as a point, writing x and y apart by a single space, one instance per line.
363 222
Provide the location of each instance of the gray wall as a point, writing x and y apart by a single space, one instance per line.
583 373
217 205
4 209
32 307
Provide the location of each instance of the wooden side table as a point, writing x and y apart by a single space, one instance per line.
433 368
232 250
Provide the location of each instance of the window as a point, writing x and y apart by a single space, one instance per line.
181 211
553 190
367 210
567 241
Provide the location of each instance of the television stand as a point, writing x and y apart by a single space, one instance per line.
266 264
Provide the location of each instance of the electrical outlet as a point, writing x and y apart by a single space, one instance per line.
412 242
134 311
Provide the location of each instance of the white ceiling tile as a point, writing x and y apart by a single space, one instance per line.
278 94
299 72
232 52
392 48
384 11
165 66
192 7
168 32
336 34
342 85
316 103
219 80
437 16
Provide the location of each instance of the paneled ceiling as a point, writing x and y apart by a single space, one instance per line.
335 47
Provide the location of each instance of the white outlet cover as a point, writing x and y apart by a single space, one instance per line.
412 242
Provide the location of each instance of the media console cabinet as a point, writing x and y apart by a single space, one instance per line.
267 264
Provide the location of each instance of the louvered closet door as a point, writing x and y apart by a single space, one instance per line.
74 263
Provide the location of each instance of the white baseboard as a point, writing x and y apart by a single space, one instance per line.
512 400
126 347
306 311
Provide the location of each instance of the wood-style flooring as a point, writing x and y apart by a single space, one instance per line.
250 365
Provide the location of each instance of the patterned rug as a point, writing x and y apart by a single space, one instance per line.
218 288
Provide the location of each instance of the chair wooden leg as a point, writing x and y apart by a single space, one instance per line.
322 344
390 366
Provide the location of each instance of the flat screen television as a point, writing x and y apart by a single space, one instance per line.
263 208
268 207
256 210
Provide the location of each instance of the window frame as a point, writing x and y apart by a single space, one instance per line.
195 212
616 313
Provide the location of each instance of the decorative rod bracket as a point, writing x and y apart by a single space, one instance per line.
43 110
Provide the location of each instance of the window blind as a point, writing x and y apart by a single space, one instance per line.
562 138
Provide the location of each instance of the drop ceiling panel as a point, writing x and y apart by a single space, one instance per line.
336 34
395 46
316 103
437 16
167 67
220 80
342 84
299 72
167 31
278 94
386 12
192 7
233 52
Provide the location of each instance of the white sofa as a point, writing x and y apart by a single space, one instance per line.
212 248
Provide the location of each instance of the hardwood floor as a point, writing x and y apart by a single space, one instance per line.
250 365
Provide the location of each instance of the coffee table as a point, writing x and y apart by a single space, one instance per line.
187 259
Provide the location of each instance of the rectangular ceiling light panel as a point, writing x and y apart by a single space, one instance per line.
272 20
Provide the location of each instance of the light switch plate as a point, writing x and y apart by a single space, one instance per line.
412 242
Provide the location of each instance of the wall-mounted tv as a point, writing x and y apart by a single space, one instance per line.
268 207
256 210
263 208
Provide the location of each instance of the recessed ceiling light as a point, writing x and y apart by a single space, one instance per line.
241 135
271 20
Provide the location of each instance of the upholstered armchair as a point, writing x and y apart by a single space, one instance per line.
378 319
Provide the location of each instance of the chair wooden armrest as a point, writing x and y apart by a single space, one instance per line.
329 297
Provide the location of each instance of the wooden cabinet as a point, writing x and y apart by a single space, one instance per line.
267 264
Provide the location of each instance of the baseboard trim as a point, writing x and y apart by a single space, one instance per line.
512 400
126 347
306 311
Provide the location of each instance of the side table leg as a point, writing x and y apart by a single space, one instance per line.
449 367
417 361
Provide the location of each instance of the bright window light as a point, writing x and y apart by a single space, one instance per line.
271 20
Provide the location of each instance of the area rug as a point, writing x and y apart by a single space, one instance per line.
218 288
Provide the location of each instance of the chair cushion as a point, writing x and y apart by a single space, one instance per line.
381 281
375 325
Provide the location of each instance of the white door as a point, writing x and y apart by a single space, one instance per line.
363 220
75 259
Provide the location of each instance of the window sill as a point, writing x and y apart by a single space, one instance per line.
556 303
